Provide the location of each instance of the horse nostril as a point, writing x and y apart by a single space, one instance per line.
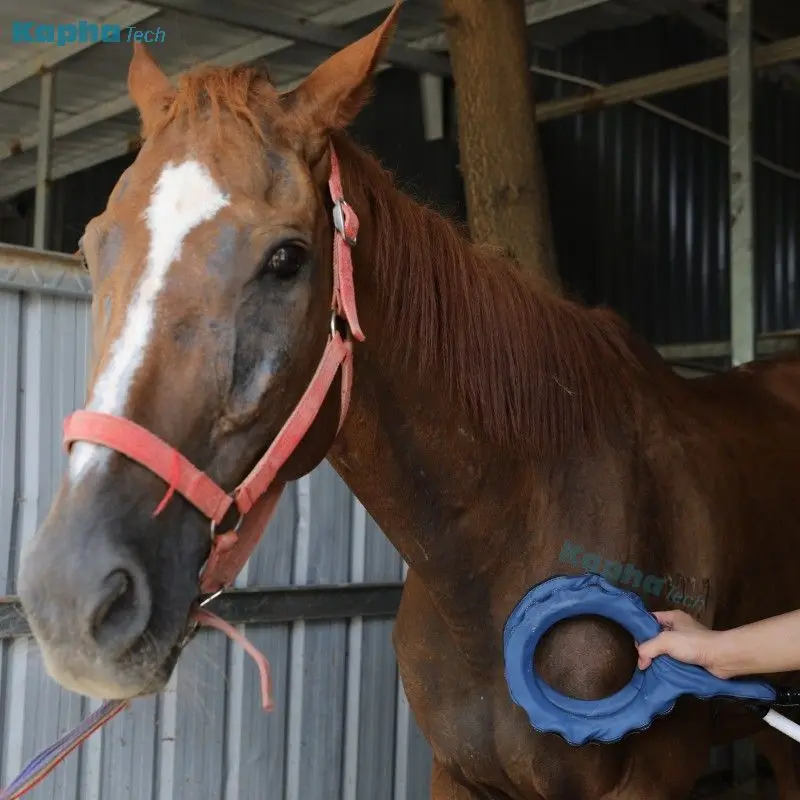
117 619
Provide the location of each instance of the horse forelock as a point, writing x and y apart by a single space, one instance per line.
245 93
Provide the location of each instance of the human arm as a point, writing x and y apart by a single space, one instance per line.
770 645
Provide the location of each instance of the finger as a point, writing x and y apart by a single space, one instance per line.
671 619
663 619
656 646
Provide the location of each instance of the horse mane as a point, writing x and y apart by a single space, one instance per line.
538 374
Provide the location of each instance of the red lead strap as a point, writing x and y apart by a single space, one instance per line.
257 495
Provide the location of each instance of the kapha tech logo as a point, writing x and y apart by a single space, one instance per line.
628 575
82 31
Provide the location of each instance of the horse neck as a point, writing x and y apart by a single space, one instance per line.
472 384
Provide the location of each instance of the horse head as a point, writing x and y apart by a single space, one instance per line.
213 270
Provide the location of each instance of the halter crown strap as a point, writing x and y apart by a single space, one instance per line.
346 226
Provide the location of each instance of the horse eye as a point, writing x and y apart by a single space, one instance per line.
285 262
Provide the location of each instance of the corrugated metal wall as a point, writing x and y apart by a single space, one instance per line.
640 202
341 726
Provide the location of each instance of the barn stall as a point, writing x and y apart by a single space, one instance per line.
645 109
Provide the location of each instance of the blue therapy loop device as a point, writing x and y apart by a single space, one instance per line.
651 692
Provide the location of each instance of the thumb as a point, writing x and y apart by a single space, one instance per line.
657 646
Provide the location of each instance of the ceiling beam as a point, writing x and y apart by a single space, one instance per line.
669 80
279 23
543 10
717 28
342 14
346 12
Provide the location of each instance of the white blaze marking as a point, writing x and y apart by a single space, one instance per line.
184 196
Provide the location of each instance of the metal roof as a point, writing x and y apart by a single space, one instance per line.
94 120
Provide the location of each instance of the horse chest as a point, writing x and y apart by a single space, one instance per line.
462 712
470 722
483 740
453 706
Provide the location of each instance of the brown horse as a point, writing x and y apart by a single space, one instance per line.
491 422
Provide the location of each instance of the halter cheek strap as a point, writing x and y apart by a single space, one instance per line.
255 498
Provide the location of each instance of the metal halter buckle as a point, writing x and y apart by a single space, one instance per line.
335 319
340 208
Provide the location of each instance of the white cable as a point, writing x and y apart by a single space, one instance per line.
784 725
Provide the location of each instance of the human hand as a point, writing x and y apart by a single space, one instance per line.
685 639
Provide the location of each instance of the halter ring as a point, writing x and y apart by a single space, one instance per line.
235 528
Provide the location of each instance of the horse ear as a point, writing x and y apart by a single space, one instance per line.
148 86
333 94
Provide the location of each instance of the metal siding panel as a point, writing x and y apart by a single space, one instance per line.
10 303
323 710
258 760
10 315
676 234
420 763
256 751
325 646
200 718
379 681
382 561
127 753
377 712
36 709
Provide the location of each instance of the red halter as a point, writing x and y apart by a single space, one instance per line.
256 497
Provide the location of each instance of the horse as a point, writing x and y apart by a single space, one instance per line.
488 421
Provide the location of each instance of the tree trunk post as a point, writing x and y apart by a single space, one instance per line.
501 163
